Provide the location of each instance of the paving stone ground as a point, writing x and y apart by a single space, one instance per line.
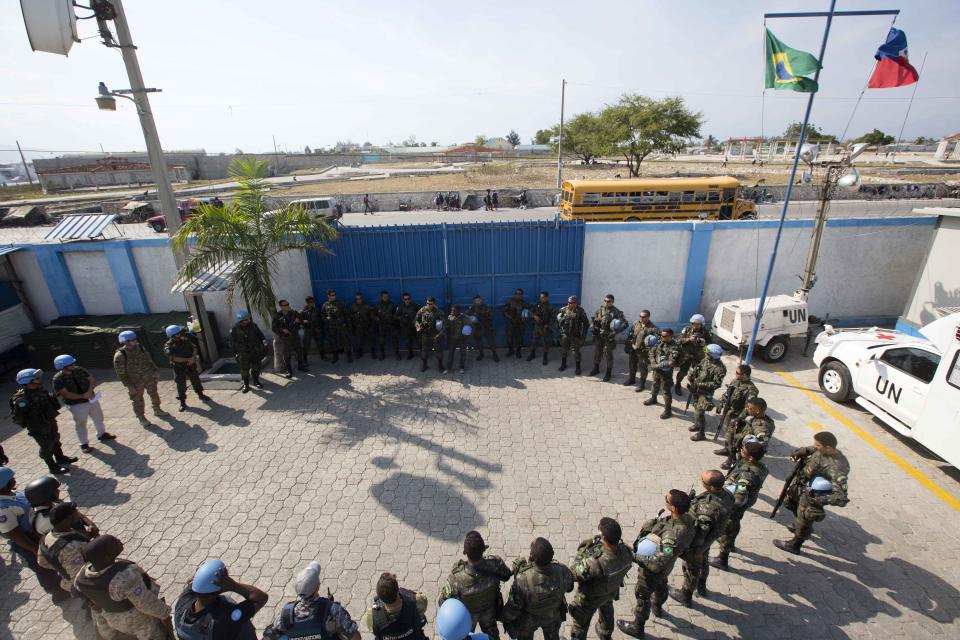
374 466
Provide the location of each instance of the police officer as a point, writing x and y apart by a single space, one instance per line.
35 409
183 356
286 327
734 402
396 613
337 318
431 323
313 329
573 324
138 373
706 377
203 611
544 316
77 387
361 324
476 583
406 317
753 423
249 346
599 568
43 495
663 358
126 599
24 542
744 481
459 331
537 599
710 511
481 317
61 549
513 310
310 615
694 337
661 541
608 321
386 324
637 349
820 482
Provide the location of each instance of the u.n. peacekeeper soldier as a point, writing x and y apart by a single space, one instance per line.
456 338
396 613
249 346
336 316
661 541
608 321
483 331
694 337
573 324
286 327
61 548
537 597
638 351
821 482
430 323
138 373
663 358
710 511
516 322
386 325
183 356
734 402
753 424
476 583
706 377
35 409
361 324
406 316
311 615
544 315
126 599
600 566
314 330
744 481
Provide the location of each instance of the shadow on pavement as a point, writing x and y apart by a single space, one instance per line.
90 490
221 414
435 508
182 436
124 460
10 598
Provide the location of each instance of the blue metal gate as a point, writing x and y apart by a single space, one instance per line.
453 262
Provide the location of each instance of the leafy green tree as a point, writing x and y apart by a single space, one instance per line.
637 126
543 136
307 150
480 139
711 143
814 134
513 138
876 137
924 140
583 136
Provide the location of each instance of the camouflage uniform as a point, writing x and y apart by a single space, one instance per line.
808 509
183 348
735 400
36 411
705 378
537 600
477 586
663 358
573 325
456 339
710 512
138 373
361 326
599 573
605 337
337 318
760 427
746 478
135 606
406 317
638 351
430 337
313 331
673 538
247 343
516 325
544 315
386 324
286 328
62 552
692 343
483 330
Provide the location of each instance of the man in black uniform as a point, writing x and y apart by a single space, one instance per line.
396 613
248 344
406 316
386 323
313 329
35 409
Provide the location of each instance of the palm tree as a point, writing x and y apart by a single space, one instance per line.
250 237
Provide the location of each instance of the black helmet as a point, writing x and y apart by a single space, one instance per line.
42 490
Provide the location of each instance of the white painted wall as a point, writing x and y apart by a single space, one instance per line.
157 272
94 282
938 284
34 286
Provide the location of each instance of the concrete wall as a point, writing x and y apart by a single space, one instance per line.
34 286
94 282
938 282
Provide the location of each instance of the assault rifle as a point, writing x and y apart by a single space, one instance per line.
786 487
691 391
722 410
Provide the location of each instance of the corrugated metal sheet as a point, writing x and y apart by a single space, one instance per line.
214 280
81 227
5 250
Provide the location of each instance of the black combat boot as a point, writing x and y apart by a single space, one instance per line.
667 412
531 355
608 374
643 384
790 546
256 381
480 355
63 458
632 628
440 367
652 400
563 364
496 358
544 361
303 367
678 389
54 467
720 562
246 386
519 353
578 371
683 597
632 379
595 370
702 591
728 463
183 403
656 608
721 452
423 365
600 634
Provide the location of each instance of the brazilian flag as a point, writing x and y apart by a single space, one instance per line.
787 67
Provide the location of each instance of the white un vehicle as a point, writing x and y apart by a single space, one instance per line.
909 383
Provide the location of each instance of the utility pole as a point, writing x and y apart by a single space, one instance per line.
26 169
563 93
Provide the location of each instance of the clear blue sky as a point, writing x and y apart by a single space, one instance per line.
234 73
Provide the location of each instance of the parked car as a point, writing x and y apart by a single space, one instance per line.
187 208
321 207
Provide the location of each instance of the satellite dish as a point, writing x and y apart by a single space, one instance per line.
809 152
850 180
857 149
51 25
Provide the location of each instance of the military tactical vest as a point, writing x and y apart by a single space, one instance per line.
406 626
709 511
385 315
544 589
614 568
33 407
478 586
96 589
52 553
313 628
640 334
747 478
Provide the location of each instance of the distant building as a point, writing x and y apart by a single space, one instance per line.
532 149
948 148
471 150
498 144
765 149
107 172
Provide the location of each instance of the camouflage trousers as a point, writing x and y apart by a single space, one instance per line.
136 390
684 364
603 347
805 512
639 364
250 363
290 348
582 610
550 627
663 380
515 331
483 335
48 439
651 588
729 432
453 344
183 372
487 621
570 343
542 336
430 343
728 539
695 568
119 626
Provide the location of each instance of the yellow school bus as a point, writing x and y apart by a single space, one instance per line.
637 199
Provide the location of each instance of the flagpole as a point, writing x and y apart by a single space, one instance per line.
789 192
893 160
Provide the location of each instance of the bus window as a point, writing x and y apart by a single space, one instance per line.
591 198
661 197
713 196
700 196
646 197
675 198
729 195
688 197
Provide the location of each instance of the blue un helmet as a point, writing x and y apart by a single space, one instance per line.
453 621
646 547
617 324
714 351
820 486
126 336
26 376
472 318
696 318
525 314
651 340
63 361
467 330
731 488
243 314
173 330
439 325
208 576
6 475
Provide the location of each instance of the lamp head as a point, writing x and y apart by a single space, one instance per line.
850 180
105 101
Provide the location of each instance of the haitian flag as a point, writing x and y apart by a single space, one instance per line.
786 67
893 69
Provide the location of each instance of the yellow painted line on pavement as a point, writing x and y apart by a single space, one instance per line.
910 470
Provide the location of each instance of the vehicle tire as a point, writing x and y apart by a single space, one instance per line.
159 227
835 381
776 349
632 219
